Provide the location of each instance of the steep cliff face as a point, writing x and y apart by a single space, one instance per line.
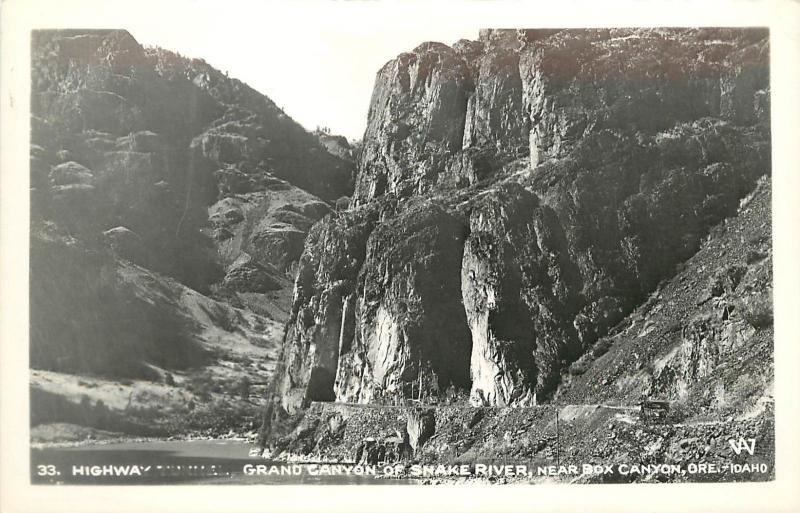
322 308
549 180
146 168
415 122
409 321
454 115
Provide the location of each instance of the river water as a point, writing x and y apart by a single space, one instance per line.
171 462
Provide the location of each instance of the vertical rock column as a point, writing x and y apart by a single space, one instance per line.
502 364
411 332
519 292
321 318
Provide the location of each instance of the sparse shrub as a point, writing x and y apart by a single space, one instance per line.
145 413
219 416
242 387
602 347
757 310
201 386
756 239
673 327
453 396
342 204
678 412
220 316
754 256
450 394
743 391
101 412
578 368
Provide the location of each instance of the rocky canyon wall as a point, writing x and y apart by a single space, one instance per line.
515 198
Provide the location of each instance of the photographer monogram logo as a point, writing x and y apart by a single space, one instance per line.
743 444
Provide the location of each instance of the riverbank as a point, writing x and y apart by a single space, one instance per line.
64 435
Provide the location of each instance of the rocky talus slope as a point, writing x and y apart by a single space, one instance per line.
518 201
169 206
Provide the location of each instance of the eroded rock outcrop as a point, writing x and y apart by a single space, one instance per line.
420 426
415 123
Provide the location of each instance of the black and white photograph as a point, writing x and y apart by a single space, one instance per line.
526 255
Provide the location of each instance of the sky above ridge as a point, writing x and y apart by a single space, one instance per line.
321 72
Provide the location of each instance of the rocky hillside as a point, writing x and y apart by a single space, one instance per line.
704 338
516 199
169 206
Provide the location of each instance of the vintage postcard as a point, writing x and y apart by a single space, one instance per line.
296 245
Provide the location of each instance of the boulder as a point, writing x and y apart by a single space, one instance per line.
420 425
127 244
71 173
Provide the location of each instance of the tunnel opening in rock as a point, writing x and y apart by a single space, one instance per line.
449 358
320 386
511 321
